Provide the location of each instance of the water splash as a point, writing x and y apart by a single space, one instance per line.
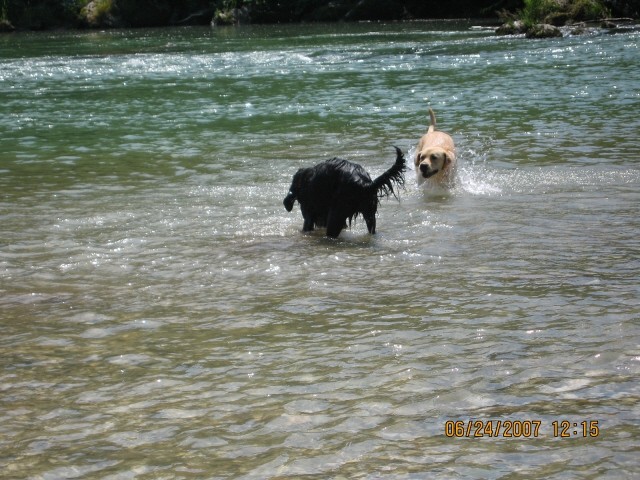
473 176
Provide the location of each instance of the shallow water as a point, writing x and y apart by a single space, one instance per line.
163 316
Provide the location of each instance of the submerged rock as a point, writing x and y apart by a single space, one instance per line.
620 25
516 27
538 30
543 30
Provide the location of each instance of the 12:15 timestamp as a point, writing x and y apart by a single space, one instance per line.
567 429
507 428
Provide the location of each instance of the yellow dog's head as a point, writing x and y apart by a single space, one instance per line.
433 160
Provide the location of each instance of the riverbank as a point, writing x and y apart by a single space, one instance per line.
48 14
56 14
556 18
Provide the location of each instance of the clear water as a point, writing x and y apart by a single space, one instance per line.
163 316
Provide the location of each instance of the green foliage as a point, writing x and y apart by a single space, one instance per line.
103 7
535 11
561 11
587 10
97 12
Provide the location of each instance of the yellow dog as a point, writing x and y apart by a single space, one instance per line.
435 157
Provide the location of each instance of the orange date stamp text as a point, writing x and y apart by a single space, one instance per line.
475 428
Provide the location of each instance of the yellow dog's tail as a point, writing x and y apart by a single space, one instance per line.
432 116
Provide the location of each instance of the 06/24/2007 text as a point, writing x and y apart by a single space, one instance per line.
520 428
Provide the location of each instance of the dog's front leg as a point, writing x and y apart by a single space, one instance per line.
309 219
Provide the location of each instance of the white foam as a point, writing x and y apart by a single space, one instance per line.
473 177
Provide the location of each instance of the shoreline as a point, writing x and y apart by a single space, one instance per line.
495 24
109 14
488 22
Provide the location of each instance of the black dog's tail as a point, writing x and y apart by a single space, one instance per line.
383 185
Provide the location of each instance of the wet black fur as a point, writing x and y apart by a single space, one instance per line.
336 190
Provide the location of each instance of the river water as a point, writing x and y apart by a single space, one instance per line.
164 317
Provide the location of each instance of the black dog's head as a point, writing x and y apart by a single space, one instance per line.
289 200
337 190
298 184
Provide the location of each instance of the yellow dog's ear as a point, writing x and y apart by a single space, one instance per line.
448 159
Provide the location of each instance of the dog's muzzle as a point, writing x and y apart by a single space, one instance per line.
426 170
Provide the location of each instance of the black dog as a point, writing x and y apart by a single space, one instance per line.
337 190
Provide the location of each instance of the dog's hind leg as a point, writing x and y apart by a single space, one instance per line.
308 224
371 224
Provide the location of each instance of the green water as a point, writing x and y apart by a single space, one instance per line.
163 316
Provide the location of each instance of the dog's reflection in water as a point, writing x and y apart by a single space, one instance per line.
337 190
